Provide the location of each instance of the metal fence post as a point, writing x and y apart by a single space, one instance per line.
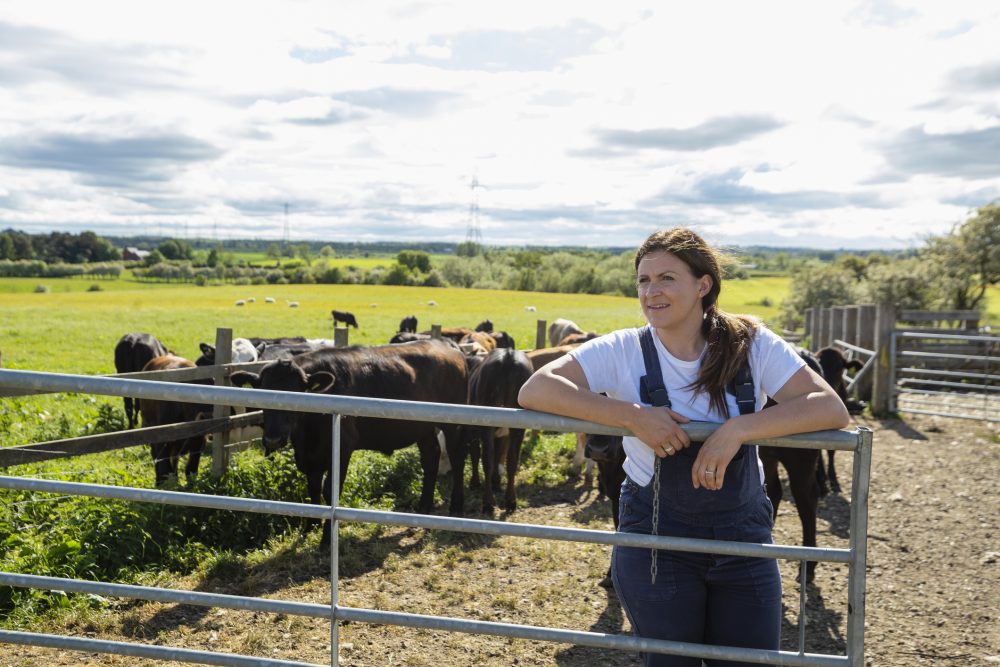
334 543
540 334
220 438
436 331
860 479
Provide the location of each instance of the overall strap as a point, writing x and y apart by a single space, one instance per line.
653 392
651 387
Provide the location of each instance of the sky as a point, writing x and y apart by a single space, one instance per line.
871 124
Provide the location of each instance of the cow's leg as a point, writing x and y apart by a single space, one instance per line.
455 443
473 439
430 457
772 482
194 446
821 481
831 470
130 412
802 480
161 462
489 469
516 437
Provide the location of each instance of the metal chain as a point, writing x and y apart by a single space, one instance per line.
656 517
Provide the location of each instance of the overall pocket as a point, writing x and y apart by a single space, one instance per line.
680 493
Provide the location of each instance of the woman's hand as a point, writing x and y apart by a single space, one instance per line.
709 468
657 428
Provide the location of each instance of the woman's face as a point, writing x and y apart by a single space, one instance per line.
669 293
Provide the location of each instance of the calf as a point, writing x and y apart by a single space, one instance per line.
801 466
495 382
420 371
833 365
345 317
408 324
243 351
132 352
481 342
485 326
560 329
158 413
503 339
607 452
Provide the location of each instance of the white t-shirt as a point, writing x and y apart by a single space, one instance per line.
613 364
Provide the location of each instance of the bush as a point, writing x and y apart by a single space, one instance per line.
95 288
42 289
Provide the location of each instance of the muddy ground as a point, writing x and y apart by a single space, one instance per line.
933 580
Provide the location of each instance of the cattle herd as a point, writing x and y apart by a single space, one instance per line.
475 366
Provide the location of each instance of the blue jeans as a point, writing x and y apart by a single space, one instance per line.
698 598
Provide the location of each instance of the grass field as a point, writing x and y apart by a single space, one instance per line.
72 330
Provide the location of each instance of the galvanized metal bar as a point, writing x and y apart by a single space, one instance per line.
858 540
866 370
457 524
595 639
945 355
853 348
373 407
334 542
892 385
803 618
223 355
946 383
144 650
987 418
173 596
971 401
932 392
484 527
964 374
167 497
917 334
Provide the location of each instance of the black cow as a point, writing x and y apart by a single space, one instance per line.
345 317
158 413
408 324
833 365
503 339
485 326
132 352
608 453
419 371
409 337
802 466
495 382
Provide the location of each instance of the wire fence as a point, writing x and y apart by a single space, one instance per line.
859 442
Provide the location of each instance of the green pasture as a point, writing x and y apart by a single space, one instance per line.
70 329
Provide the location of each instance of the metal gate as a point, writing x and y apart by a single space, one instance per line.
949 375
858 442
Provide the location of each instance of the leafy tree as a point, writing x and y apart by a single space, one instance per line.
415 260
817 285
327 251
175 249
6 246
967 261
273 251
153 258
213 258
468 249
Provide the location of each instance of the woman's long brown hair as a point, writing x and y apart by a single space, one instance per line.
728 336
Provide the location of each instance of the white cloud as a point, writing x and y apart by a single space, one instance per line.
830 124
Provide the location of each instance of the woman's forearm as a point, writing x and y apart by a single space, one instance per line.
819 411
547 392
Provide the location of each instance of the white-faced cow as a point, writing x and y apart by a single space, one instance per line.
243 351
347 318
419 371
495 382
159 413
132 352
560 329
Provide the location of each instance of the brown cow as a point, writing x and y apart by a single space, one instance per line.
158 413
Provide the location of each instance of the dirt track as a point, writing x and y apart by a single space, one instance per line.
933 578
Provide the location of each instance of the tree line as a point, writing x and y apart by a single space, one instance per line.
949 272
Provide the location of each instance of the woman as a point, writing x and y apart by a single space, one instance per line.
712 490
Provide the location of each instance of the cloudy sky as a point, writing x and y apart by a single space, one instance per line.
823 124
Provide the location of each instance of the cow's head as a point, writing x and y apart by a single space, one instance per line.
283 375
833 363
207 357
485 326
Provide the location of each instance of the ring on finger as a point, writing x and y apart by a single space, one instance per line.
668 449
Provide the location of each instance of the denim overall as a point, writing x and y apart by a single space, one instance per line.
694 597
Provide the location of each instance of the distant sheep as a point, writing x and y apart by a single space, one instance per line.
241 302
432 303
530 309
252 300
268 299
293 304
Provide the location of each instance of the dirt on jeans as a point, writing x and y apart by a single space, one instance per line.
933 579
